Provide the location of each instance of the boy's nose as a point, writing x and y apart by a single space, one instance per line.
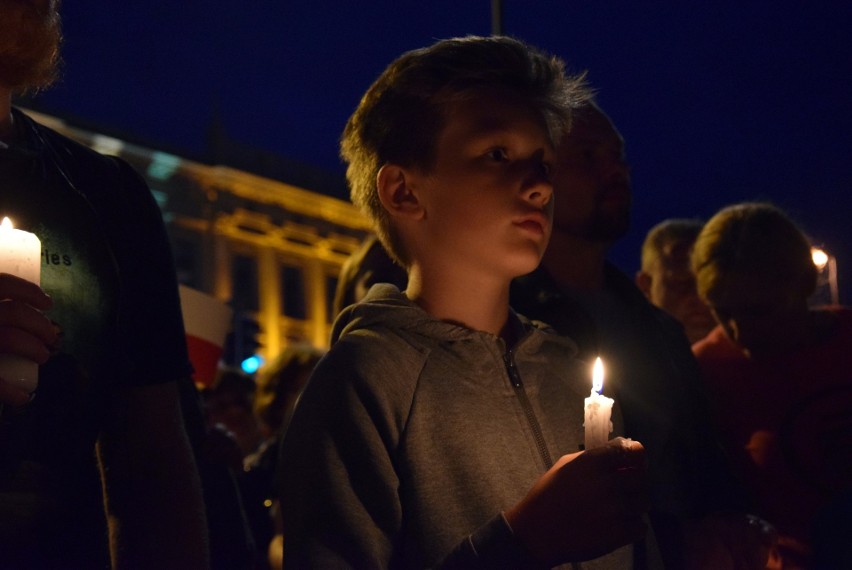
538 191
538 185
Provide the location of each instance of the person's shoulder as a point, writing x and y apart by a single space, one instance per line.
84 166
365 368
368 354
66 149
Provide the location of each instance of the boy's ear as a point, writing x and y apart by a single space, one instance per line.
397 194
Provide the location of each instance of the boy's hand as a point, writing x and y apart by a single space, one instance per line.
589 503
24 330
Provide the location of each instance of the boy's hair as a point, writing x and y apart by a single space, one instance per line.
667 232
402 114
752 239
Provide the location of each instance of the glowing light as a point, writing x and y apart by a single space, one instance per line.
251 364
819 257
107 145
597 375
163 165
6 224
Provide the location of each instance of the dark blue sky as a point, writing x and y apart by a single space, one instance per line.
719 101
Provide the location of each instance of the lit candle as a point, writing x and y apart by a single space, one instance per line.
20 255
598 411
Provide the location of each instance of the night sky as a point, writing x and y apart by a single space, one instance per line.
718 101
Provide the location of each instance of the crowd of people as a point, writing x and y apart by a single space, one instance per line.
445 425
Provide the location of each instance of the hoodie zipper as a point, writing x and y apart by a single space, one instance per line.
518 386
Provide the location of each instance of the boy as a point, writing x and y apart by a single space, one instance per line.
421 433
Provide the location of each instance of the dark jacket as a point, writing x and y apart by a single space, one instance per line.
657 382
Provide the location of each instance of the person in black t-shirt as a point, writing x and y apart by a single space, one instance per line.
106 329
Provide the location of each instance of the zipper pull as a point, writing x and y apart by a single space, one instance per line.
514 377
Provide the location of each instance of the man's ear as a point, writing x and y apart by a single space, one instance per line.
397 194
643 281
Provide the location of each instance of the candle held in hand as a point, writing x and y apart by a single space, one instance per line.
20 255
598 410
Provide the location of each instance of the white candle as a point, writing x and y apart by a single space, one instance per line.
20 255
598 410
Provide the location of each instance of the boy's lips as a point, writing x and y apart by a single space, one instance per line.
535 221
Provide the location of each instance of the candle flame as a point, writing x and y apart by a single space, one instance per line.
597 375
820 258
6 224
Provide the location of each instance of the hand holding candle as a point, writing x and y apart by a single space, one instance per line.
20 255
589 503
598 410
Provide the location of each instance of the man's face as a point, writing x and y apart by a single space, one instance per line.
487 198
591 181
672 288
30 35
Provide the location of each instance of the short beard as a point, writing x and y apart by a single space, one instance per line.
598 226
602 227
30 37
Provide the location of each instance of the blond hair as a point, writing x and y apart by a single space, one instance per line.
752 238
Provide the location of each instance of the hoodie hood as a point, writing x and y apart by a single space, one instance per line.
385 306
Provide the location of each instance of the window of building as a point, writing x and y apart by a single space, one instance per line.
244 283
293 298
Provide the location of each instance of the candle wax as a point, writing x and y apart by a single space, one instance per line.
598 411
20 255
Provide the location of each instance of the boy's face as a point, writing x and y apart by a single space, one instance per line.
488 196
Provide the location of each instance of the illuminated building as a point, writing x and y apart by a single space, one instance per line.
271 250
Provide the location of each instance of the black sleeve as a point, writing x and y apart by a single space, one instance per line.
151 333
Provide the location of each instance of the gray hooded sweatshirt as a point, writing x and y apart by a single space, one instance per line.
413 435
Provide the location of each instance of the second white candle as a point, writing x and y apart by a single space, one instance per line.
598 411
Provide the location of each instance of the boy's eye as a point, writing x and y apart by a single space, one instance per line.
498 155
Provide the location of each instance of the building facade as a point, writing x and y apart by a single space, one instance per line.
270 250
